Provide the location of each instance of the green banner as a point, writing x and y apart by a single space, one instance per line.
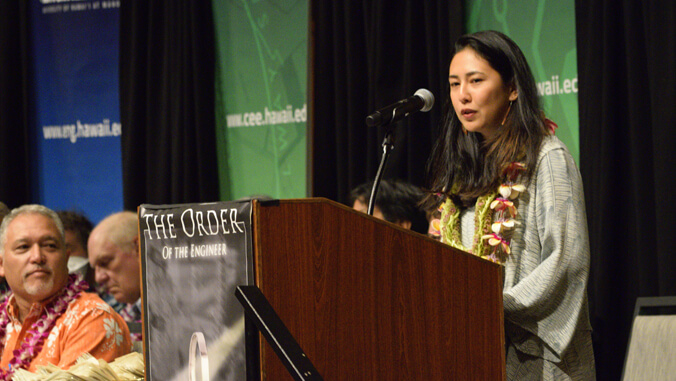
261 97
545 31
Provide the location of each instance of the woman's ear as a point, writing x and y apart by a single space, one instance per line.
513 94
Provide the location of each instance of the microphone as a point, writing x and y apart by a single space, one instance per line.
422 100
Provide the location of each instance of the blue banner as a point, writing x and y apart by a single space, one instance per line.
76 105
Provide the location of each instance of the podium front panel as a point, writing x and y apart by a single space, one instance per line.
367 300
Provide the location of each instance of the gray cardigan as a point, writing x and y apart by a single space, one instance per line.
547 327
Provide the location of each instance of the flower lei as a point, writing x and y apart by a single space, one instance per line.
491 238
32 344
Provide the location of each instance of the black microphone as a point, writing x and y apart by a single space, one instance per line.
422 100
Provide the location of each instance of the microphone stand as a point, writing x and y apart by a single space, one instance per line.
388 145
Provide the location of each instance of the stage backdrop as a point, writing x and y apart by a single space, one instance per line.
76 105
261 108
545 31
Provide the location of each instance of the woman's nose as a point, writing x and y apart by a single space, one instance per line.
464 94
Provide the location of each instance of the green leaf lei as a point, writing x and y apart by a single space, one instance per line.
494 219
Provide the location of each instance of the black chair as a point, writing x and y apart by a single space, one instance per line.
651 353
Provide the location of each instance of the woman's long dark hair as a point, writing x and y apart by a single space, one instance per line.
466 166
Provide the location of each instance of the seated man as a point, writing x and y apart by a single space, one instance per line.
113 254
396 202
48 318
77 228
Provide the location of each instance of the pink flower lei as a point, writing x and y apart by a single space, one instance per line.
32 344
505 213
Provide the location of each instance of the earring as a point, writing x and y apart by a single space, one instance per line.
505 118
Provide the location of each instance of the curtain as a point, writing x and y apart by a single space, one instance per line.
365 55
167 102
15 137
627 74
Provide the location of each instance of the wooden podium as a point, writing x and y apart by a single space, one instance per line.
367 300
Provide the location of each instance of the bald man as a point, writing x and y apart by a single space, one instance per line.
114 256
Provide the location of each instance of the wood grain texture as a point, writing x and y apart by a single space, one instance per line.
367 300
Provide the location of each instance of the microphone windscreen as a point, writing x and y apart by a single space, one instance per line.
427 97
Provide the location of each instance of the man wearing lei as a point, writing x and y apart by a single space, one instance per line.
48 318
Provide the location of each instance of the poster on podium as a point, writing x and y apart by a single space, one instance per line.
193 256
